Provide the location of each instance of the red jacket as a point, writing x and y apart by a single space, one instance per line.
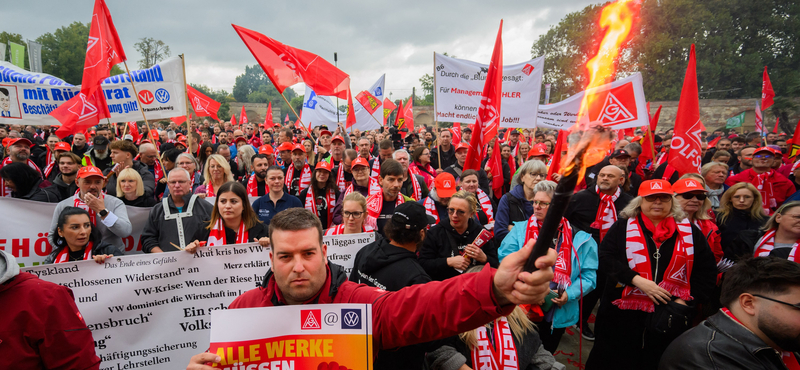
411 315
782 187
41 327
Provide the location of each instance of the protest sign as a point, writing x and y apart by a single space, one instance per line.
619 104
321 110
459 84
306 337
342 249
32 96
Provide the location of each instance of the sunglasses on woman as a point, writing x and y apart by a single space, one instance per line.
661 197
700 197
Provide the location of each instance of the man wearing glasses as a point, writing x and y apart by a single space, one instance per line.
774 187
758 327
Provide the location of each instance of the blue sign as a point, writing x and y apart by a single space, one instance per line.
162 95
378 91
351 318
311 101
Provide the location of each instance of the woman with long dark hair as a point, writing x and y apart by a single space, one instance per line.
233 220
24 183
76 239
206 150
740 217
320 197
421 165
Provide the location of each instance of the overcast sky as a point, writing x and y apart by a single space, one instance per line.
371 37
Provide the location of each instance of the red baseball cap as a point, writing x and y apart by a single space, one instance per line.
338 137
538 150
651 187
359 161
89 171
768 149
687 185
324 165
462 146
238 139
285 147
325 132
266 149
62 146
445 185
299 147
20 139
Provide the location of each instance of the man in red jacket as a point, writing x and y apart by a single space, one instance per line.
301 274
40 325
774 187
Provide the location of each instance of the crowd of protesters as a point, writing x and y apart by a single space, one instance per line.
726 294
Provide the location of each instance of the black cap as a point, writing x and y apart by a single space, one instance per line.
466 129
100 142
514 132
620 153
412 216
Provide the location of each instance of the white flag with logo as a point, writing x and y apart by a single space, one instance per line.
321 110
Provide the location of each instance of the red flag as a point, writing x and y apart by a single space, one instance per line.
388 107
795 149
555 163
495 168
714 142
399 119
368 101
268 118
103 51
647 143
201 104
179 120
233 119
286 120
134 130
767 93
487 122
775 129
408 114
456 132
684 153
243 117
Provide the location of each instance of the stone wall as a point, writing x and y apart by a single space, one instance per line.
715 112
256 111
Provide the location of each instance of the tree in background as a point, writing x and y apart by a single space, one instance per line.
64 51
5 37
152 50
253 86
222 96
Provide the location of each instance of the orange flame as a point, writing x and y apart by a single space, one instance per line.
617 21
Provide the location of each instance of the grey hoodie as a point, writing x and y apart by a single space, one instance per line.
8 267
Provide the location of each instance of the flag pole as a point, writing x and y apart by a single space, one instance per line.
652 143
138 100
186 90
435 114
298 116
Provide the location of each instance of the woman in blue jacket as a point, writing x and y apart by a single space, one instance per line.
575 269
516 204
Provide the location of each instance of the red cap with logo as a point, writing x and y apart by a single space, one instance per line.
299 147
285 147
768 149
651 187
20 140
62 146
325 132
538 150
266 149
324 165
338 137
462 145
445 185
359 161
89 171
687 185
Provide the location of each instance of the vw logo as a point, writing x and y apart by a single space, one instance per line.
162 95
351 319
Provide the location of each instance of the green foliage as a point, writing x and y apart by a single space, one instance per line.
255 87
152 50
222 96
5 37
64 51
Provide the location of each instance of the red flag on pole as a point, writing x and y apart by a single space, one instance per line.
487 122
368 101
133 128
795 142
684 153
647 143
399 119
103 51
767 93
243 117
178 120
775 129
268 118
555 163
408 114
286 120
456 132
388 107
233 119
202 105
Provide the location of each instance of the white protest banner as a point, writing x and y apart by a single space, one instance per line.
459 84
619 104
305 337
342 249
34 95
153 311
319 110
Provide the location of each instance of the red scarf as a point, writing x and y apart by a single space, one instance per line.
415 186
252 186
486 205
417 169
340 177
5 191
678 273
768 194
217 234
563 267
63 256
80 204
766 244
158 171
498 354
311 203
606 213
430 208
374 188
339 230
374 206
209 189
305 177
49 169
376 168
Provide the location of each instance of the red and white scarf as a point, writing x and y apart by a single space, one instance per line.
339 230
417 195
252 186
486 205
768 194
63 256
374 188
676 277
82 205
217 234
376 168
563 267
158 171
766 244
311 203
340 183
606 212
374 206
6 191
500 356
430 208
49 169
305 177
209 189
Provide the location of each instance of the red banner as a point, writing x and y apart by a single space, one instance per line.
685 151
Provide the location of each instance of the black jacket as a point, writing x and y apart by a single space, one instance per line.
388 267
38 194
739 234
448 157
443 241
162 233
407 188
61 189
483 180
148 180
144 201
583 206
720 343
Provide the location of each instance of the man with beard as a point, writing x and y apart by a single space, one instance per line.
107 213
774 187
381 206
123 153
177 215
413 185
385 150
257 183
594 210
445 151
98 156
19 151
756 329
64 183
298 173
79 146
745 160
